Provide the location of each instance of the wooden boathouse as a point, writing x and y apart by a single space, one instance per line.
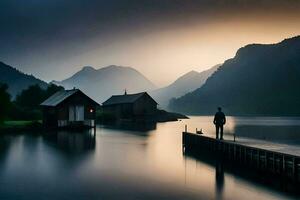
130 106
69 108
285 164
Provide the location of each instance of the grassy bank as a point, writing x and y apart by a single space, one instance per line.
21 125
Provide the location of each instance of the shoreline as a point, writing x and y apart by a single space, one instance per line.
21 126
35 126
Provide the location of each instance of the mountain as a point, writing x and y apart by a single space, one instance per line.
101 83
183 85
259 80
16 80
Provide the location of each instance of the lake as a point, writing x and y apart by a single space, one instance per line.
134 162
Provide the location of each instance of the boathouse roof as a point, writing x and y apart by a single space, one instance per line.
61 96
126 98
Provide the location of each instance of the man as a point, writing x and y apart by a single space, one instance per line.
219 122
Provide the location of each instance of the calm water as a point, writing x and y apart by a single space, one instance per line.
131 164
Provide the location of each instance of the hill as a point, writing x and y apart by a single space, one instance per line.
259 80
183 85
101 83
16 80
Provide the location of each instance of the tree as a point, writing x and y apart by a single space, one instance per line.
5 103
52 88
26 105
31 97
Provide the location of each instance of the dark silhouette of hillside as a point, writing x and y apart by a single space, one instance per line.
181 86
16 80
259 80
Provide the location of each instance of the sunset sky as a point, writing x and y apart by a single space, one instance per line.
163 39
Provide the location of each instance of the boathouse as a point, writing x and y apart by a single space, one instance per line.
130 106
68 108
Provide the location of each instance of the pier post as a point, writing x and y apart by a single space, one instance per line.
234 152
240 156
296 177
274 162
283 164
258 159
294 168
245 155
251 157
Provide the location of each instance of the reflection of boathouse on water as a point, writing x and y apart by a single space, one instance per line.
69 108
76 142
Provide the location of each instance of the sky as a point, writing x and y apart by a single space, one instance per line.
163 39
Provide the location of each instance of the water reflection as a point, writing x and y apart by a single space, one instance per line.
216 162
224 169
278 133
122 164
138 128
73 142
220 180
5 146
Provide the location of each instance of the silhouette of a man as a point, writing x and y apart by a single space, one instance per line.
219 122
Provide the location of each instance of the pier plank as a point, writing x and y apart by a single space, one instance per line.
271 146
263 144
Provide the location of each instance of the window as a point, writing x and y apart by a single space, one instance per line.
76 113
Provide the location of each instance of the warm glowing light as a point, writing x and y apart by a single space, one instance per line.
91 110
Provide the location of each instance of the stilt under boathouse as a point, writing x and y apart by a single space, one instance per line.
69 109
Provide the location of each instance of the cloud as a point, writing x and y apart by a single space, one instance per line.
40 36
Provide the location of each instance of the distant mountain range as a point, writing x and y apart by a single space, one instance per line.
101 83
183 85
259 80
16 80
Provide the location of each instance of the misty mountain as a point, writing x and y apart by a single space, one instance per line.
259 80
16 80
183 85
101 83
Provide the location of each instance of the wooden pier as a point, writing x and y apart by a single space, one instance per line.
282 164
